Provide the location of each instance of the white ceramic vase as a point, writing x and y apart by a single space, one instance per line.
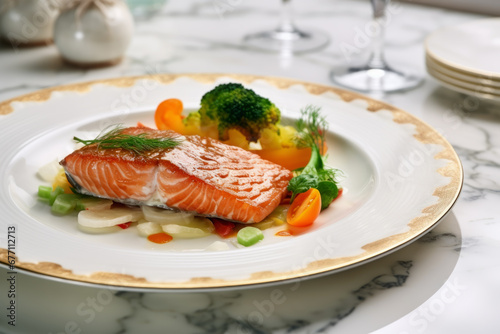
94 33
28 22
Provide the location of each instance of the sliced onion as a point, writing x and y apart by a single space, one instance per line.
111 217
99 230
95 204
164 216
49 171
183 232
148 228
196 227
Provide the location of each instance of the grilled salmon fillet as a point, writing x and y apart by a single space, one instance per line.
199 175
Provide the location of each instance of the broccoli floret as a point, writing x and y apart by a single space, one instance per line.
232 106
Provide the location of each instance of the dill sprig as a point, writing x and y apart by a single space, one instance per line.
311 128
138 144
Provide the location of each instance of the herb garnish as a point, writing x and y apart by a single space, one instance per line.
138 144
311 133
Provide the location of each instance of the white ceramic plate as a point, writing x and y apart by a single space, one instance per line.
472 87
401 178
462 87
471 47
460 76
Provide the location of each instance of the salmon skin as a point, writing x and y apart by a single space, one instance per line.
200 175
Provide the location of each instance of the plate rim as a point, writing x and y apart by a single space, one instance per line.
418 226
458 76
456 88
480 89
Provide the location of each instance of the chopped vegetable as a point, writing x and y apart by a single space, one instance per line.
236 138
289 157
270 139
192 124
164 216
60 180
99 230
276 218
148 228
195 227
49 171
64 203
44 192
186 232
222 227
249 236
312 128
111 217
93 203
160 238
54 193
305 208
168 115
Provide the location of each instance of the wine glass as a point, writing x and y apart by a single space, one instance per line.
287 37
376 75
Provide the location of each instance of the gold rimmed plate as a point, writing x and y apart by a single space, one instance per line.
401 178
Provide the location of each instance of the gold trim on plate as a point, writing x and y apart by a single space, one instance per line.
431 215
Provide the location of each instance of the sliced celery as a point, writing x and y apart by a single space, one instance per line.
64 204
249 236
44 192
53 195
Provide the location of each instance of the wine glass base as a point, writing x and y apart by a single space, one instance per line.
376 80
294 41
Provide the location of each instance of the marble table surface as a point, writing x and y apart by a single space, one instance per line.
446 282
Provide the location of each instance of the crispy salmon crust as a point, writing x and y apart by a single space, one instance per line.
200 175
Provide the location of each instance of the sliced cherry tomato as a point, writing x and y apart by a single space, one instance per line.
341 191
168 115
223 227
305 208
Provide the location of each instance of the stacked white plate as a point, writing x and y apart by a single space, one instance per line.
466 58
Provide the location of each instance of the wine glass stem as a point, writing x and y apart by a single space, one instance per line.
286 24
377 56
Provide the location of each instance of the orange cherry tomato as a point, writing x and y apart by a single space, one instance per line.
168 115
305 208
